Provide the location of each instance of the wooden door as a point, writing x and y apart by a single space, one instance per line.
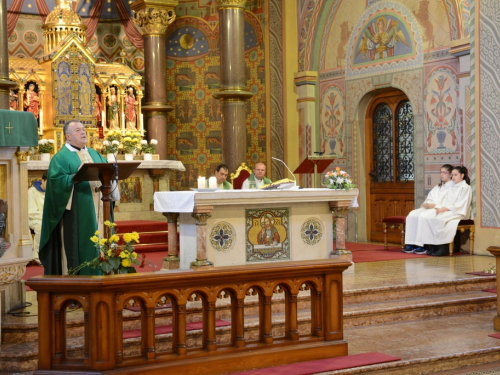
390 161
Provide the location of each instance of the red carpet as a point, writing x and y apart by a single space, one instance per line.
323 365
168 329
490 291
495 335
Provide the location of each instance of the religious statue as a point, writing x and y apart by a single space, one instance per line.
380 39
130 112
112 112
98 109
13 105
32 101
84 90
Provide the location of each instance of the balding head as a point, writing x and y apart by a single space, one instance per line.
259 170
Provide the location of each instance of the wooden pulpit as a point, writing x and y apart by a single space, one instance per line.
105 172
315 164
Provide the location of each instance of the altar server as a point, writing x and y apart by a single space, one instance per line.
437 227
36 198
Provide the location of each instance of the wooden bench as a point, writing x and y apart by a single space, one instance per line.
399 222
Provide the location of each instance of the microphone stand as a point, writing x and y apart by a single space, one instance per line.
294 179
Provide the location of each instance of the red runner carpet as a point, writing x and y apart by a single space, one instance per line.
495 335
323 365
140 226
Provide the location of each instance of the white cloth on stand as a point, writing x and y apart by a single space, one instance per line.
425 226
177 201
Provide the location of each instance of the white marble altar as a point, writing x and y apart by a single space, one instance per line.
201 212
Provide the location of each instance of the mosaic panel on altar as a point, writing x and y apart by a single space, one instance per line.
267 234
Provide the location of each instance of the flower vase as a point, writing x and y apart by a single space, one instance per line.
148 156
111 158
441 136
45 156
129 157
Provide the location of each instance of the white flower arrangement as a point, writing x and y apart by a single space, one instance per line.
110 147
149 149
338 180
45 146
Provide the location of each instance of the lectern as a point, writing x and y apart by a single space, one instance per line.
315 164
105 172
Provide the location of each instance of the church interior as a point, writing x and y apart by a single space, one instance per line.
387 90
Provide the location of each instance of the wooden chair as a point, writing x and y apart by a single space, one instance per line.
399 222
241 174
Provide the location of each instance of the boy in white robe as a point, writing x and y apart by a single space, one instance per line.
36 198
439 228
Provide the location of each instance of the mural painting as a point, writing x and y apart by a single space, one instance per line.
332 116
441 98
131 190
267 234
384 38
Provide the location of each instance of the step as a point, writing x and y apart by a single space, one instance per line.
151 248
140 226
150 238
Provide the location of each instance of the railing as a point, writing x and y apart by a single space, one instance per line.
104 298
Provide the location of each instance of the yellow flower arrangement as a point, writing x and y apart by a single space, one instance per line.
114 258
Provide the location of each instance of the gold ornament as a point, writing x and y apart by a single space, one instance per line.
232 3
187 41
154 21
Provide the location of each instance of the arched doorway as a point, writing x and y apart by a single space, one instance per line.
389 126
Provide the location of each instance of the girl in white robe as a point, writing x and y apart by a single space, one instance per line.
435 197
439 226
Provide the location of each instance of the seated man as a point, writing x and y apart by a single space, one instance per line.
256 179
221 173
36 198
437 227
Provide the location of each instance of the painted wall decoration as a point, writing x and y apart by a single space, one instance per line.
332 121
84 89
385 39
131 190
311 231
411 84
267 234
193 75
442 130
222 236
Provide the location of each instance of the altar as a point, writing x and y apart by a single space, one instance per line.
237 227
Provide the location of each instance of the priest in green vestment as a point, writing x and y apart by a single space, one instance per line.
257 178
221 173
71 210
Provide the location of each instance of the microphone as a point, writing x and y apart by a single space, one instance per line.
115 167
294 179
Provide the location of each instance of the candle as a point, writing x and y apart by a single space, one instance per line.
202 182
103 119
123 123
212 183
41 121
142 125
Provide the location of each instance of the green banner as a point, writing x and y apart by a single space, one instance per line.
18 129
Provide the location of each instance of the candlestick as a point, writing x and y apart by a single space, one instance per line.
212 183
202 182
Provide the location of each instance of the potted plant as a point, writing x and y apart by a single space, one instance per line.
45 147
110 149
148 149
113 258
129 146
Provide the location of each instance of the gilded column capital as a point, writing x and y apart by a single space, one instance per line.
231 3
153 16
340 212
22 156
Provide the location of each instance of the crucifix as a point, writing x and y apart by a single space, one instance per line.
9 127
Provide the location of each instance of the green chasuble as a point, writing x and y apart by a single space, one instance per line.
226 185
79 223
252 183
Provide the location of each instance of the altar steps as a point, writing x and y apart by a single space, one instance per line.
153 235
402 309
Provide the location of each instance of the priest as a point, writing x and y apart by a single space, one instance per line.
72 211
221 173
257 178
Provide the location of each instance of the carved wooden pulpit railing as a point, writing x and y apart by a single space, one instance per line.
104 298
